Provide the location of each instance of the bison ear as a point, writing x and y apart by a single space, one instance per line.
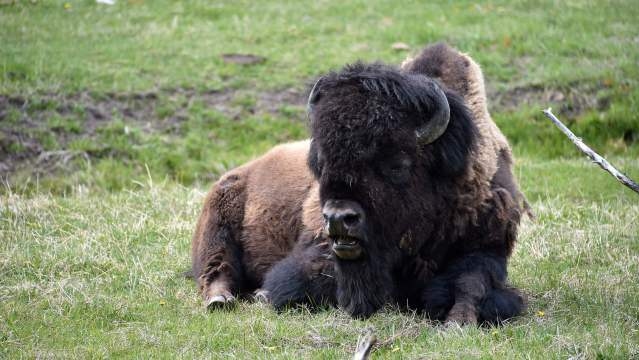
313 96
439 115
313 159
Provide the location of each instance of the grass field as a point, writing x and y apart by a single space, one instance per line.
114 120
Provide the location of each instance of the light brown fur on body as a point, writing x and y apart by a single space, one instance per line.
264 216
255 214
277 186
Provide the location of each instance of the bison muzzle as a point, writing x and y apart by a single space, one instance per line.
345 225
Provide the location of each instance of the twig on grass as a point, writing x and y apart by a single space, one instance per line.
364 345
596 158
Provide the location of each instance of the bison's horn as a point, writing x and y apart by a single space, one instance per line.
438 122
311 97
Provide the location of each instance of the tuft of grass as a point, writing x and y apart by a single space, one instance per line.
65 125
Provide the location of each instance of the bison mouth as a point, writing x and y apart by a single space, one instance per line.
347 247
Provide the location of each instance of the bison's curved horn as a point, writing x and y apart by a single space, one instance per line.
438 122
311 96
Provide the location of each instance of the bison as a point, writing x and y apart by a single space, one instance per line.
404 194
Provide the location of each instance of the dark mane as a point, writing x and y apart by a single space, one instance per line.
382 81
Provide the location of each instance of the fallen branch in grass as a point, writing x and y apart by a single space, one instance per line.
596 158
364 345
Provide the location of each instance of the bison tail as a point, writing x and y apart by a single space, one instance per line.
501 305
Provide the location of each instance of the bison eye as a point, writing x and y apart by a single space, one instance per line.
398 170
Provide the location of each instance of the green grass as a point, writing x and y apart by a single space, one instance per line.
100 274
114 120
175 44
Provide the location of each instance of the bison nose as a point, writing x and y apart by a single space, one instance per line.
342 217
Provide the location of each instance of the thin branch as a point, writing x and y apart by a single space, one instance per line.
596 158
364 345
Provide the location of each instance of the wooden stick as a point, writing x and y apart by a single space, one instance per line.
596 158
364 345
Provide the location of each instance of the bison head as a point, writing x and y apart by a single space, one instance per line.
385 145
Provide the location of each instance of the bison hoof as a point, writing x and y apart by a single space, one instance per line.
218 301
462 315
261 296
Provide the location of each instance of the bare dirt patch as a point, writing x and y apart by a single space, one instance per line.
28 123
243 59
571 100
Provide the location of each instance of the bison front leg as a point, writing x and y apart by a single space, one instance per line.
477 278
306 276
221 273
215 250
472 290
469 289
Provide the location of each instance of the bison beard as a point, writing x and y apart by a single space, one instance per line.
415 186
312 275
364 286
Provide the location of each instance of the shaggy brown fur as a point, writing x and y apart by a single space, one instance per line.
251 218
269 212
